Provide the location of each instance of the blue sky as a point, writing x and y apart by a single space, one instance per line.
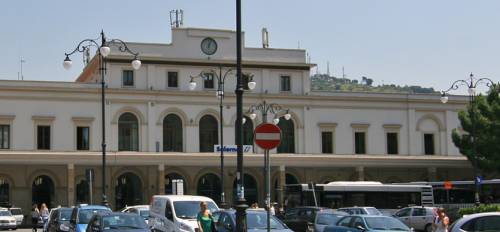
426 42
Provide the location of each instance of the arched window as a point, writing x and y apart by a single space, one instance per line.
172 133
4 191
82 192
128 132
128 190
248 132
208 133
209 185
287 144
169 178
42 191
251 193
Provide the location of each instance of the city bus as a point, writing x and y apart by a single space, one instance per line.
462 192
359 193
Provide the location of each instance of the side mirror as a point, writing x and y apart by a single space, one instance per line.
169 215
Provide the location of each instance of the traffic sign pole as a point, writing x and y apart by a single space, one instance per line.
267 136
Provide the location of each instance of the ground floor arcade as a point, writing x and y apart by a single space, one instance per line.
132 178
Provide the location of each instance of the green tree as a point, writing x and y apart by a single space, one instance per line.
486 113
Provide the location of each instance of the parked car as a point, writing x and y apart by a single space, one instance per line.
361 211
297 219
177 212
141 210
59 220
368 223
477 222
117 221
7 221
80 216
18 214
325 218
225 221
417 217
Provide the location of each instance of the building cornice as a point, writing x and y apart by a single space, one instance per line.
212 159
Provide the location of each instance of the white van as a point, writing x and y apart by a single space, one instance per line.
177 213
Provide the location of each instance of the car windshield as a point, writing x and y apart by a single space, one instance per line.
85 214
259 221
385 223
190 209
328 219
144 213
5 213
64 214
16 211
123 222
373 211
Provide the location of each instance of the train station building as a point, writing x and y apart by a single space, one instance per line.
158 130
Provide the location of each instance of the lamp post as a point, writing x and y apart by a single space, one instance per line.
275 109
471 83
221 78
103 50
241 205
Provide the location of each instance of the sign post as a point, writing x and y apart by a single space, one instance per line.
89 175
267 136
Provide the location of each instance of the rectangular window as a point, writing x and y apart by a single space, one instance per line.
429 144
359 143
172 79
392 143
285 83
43 137
208 81
128 78
4 136
82 138
327 142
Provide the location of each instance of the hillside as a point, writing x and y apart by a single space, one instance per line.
324 82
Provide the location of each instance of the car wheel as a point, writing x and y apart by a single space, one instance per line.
428 228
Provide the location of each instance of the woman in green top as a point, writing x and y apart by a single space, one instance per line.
204 218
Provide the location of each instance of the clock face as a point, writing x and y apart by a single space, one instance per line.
208 46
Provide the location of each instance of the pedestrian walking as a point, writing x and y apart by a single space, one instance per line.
441 221
44 212
205 220
35 215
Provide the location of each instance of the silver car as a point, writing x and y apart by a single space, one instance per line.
325 218
477 222
417 217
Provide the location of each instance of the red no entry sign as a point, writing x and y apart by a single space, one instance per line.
267 136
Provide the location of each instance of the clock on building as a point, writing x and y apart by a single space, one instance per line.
208 46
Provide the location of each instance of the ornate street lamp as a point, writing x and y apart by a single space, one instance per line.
103 50
221 78
275 109
471 83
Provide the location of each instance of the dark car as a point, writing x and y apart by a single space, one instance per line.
325 218
298 218
59 220
117 221
368 223
225 221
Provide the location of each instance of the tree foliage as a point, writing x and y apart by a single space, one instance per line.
486 112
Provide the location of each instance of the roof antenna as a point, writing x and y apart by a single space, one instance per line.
21 76
328 68
176 18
